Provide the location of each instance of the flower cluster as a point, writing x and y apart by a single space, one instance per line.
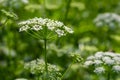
102 61
38 67
76 57
38 24
108 19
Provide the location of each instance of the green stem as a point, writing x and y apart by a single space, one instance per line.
67 10
45 50
32 35
45 57
5 21
108 76
44 8
66 71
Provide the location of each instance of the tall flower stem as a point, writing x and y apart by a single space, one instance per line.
44 8
45 52
45 55
67 10
67 71
108 76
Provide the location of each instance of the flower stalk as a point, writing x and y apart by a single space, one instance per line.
66 71
44 29
108 76
67 9
45 51
45 55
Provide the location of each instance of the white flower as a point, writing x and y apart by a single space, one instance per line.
88 63
108 60
52 68
116 68
109 19
38 66
111 54
37 27
23 23
99 55
69 30
24 28
41 21
59 24
101 60
45 23
98 62
91 58
27 65
51 25
99 70
99 23
117 59
118 54
60 32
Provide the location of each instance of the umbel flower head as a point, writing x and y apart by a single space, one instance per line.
107 19
103 62
38 67
45 27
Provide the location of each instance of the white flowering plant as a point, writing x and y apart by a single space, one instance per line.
37 67
44 29
112 20
104 63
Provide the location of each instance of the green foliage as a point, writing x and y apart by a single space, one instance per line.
18 48
9 14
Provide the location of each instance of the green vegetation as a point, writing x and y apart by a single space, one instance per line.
53 39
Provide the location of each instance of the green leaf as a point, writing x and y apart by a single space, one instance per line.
9 14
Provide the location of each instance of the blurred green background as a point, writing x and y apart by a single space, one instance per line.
16 47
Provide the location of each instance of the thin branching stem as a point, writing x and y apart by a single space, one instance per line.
44 8
45 51
67 10
67 71
6 21
32 35
108 76
45 54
